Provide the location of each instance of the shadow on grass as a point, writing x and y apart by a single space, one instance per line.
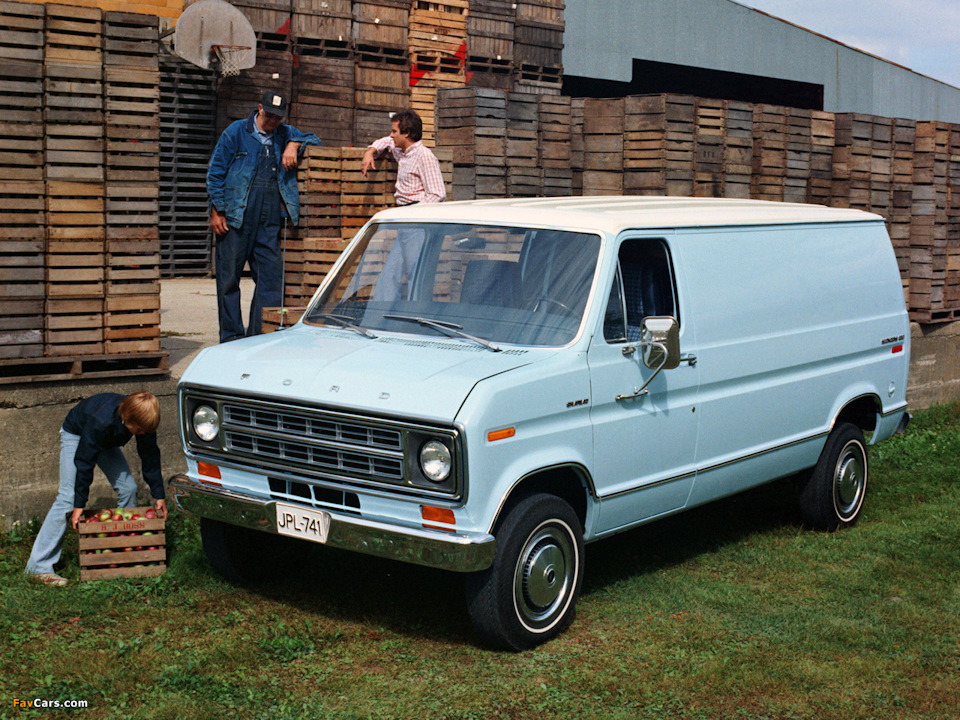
429 604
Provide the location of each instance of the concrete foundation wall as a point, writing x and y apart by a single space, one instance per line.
31 415
30 420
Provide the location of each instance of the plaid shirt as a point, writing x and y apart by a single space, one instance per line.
418 172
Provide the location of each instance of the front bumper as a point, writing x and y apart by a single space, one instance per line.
421 546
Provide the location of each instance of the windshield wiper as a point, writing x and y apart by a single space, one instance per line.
444 326
346 322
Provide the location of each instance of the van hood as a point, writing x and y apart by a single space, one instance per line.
404 376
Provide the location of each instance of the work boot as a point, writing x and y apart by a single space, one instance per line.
49 579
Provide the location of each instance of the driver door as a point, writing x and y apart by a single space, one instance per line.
644 446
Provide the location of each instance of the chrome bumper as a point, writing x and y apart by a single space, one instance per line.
421 546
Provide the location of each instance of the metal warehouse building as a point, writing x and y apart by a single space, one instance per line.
719 48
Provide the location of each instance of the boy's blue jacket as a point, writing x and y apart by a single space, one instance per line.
234 164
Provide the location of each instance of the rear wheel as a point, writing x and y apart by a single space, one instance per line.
242 555
833 494
529 594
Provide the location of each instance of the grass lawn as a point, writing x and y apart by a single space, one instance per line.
729 611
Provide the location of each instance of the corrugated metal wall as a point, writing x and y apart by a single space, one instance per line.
603 38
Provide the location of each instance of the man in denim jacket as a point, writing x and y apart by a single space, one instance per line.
252 186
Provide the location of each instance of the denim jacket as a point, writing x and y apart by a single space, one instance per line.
234 164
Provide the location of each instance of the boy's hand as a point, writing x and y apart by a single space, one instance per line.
161 507
75 517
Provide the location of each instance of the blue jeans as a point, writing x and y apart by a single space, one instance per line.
49 543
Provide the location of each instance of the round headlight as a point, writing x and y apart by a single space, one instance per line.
206 423
435 461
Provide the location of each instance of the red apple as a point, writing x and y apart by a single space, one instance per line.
150 514
135 516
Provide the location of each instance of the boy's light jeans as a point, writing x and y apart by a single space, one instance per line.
47 547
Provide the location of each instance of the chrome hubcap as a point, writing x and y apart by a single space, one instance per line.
544 577
850 478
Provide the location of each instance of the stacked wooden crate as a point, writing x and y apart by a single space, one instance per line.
709 127
382 67
523 174
769 152
799 147
319 231
22 237
75 180
322 93
928 224
187 137
438 50
951 295
132 128
576 144
603 134
472 123
822 139
538 46
490 32
737 149
554 121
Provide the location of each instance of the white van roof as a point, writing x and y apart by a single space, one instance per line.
616 213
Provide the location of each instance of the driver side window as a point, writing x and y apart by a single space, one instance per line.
643 287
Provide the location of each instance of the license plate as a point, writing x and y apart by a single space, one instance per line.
302 523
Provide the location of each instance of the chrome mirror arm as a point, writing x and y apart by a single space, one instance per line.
641 391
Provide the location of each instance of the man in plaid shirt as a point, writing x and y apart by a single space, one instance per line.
418 181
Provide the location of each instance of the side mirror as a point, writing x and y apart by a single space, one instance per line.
660 342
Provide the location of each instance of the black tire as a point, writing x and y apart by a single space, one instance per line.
244 556
832 496
529 594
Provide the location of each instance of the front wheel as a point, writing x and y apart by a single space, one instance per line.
529 593
833 494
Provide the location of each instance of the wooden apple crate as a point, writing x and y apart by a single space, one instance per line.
125 539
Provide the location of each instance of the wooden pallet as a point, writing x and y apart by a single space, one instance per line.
73 35
55 369
123 548
130 39
21 31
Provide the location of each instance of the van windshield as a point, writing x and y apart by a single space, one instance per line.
522 286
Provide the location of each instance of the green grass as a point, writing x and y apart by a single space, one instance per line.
730 611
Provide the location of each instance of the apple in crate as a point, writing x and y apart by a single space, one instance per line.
150 514
105 515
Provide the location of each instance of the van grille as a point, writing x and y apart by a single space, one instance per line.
322 449
330 444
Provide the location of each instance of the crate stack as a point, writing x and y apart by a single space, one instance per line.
822 139
491 26
472 124
708 131
603 136
737 149
322 94
361 197
951 297
799 147
853 160
322 28
382 65
22 236
928 224
769 152
576 143
538 46
132 128
75 180
554 118
523 173
438 51
187 138
319 230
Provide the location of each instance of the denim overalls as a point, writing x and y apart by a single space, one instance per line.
255 241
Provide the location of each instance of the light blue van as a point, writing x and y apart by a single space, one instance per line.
485 386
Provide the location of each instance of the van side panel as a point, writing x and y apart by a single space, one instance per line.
793 322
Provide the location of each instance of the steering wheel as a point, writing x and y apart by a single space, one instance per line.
545 299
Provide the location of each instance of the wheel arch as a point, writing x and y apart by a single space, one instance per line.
862 411
571 482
